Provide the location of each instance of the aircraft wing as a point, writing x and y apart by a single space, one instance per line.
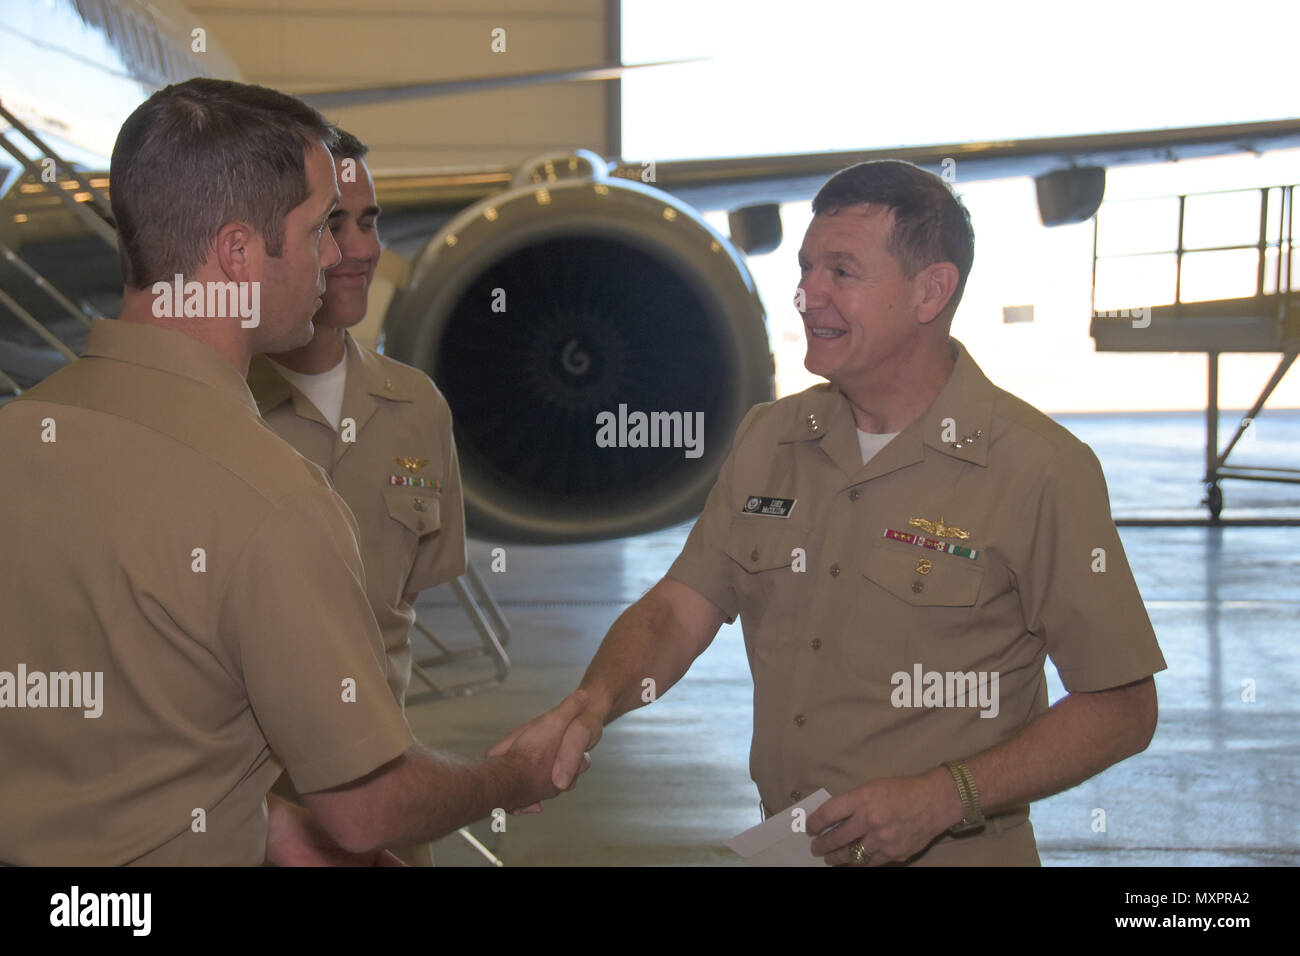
734 182
730 183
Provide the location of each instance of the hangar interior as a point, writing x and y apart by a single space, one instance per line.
670 783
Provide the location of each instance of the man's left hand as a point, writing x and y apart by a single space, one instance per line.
894 818
294 838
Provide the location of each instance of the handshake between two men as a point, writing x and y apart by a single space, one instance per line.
424 794
870 821
570 754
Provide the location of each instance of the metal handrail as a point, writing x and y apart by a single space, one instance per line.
97 218
100 200
1284 242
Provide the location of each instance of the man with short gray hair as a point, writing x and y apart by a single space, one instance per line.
905 547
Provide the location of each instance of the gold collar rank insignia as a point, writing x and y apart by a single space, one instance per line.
412 464
938 528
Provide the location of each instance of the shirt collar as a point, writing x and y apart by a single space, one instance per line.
366 368
167 350
267 384
365 373
956 423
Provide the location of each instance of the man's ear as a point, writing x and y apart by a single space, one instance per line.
936 285
239 251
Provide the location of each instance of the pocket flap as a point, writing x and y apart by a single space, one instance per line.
950 581
761 544
416 508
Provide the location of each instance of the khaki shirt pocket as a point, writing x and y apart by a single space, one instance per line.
902 611
923 578
772 595
414 508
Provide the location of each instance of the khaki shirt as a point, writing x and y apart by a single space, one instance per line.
828 644
411 519
211 659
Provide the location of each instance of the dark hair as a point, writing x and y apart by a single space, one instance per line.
199 154
930 223
347 146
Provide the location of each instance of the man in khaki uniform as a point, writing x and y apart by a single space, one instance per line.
385 437
193 589
905 546
184 605
381 430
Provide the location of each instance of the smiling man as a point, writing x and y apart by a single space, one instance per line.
380 429
905 547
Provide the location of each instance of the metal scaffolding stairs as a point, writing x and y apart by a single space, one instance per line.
1266 321
47 173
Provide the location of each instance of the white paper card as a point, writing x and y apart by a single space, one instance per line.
775 842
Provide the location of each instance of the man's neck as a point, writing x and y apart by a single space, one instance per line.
898 393
324 352
222 336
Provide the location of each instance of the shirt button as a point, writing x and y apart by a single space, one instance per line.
816 644
800 720
835 570
753 555
854 495
917 587
796 796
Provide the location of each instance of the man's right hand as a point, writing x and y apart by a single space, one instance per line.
423 795
661 634
571 756
538 747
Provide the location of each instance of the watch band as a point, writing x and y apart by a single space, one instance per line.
973 818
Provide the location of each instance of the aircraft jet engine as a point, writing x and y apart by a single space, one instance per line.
584 328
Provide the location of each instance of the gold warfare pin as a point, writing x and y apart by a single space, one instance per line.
938 528
412 464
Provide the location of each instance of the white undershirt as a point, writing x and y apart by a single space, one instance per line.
871 443
325 389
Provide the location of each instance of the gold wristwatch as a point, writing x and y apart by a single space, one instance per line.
973 818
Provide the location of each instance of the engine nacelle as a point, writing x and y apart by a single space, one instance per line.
582 328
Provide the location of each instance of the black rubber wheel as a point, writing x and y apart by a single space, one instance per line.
1214 500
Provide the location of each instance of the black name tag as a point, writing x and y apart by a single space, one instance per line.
771 507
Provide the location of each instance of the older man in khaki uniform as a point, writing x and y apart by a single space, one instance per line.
905 547
184 605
